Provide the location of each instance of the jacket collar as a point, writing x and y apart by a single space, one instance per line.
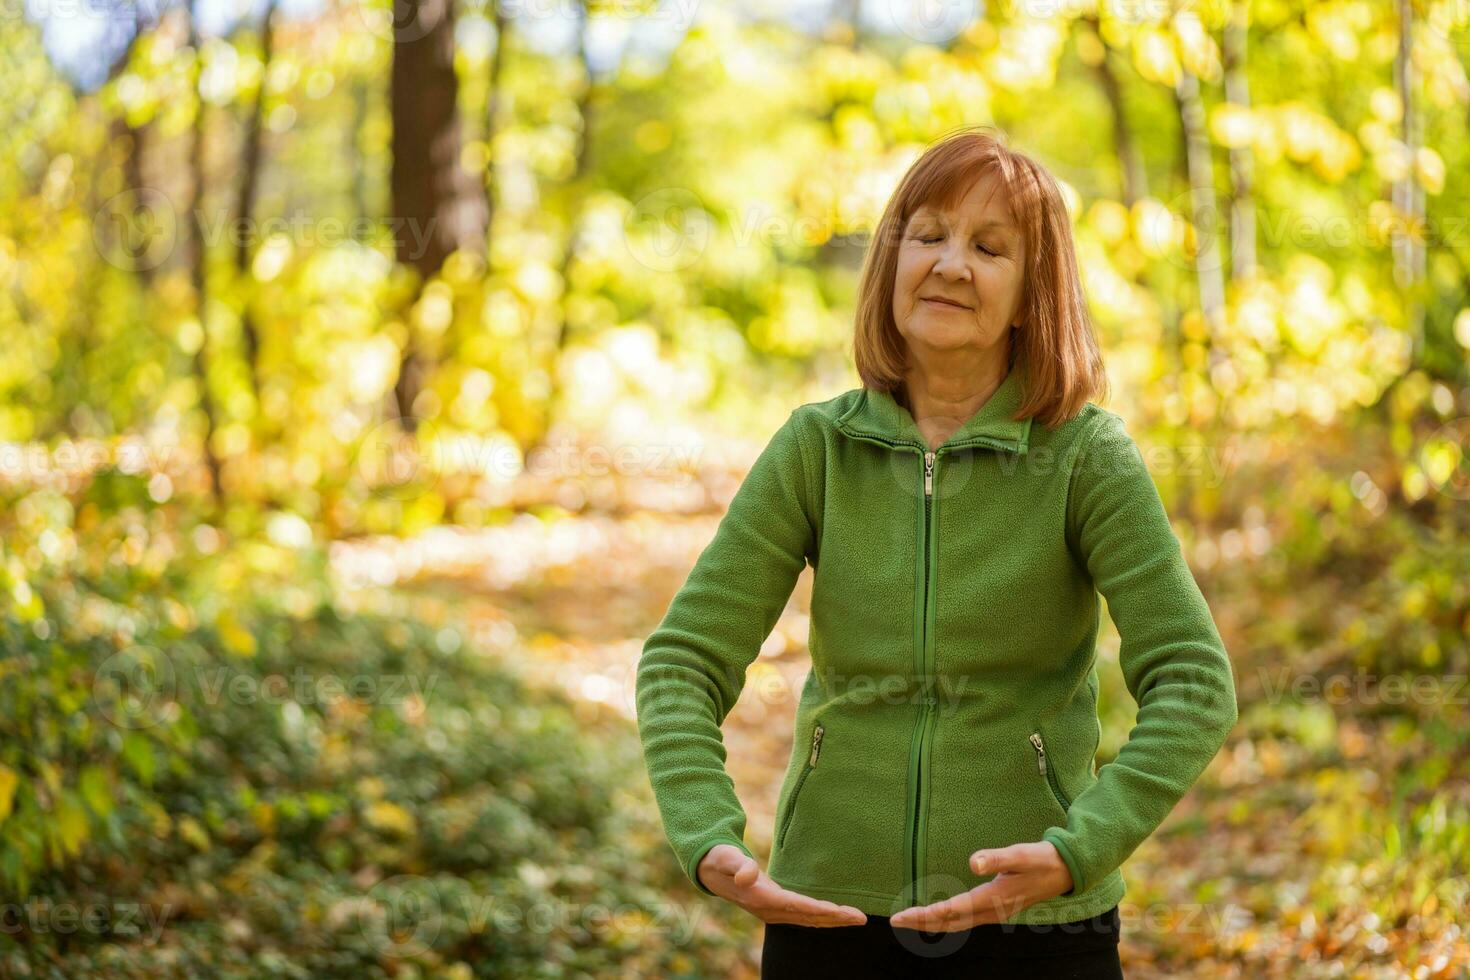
875 415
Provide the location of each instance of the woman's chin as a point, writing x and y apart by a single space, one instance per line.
945 336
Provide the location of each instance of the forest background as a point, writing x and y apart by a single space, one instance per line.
373 376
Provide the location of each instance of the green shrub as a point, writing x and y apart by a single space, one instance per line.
256 793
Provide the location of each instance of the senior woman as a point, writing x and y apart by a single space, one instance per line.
942 813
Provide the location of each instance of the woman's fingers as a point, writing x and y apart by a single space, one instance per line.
783 905
732 874
994 901
1017 869
728 860
1026 856
941 914
748 873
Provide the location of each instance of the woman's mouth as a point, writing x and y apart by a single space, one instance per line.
944 304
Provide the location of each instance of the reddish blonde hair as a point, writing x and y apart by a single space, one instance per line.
1055 339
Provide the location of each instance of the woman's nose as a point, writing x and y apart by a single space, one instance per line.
951 265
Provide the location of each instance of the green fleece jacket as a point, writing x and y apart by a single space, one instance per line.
952 700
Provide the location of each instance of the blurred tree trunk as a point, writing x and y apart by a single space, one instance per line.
133 142
360 206
1204 210
250 163
133 139
492 111
196 257
574 216
1237 94
1408 195
71 375
1209 277
437 206
1135 178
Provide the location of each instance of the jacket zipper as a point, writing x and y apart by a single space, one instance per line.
917 822
1049 772
811 763
925 632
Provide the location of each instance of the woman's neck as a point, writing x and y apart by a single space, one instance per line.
940 401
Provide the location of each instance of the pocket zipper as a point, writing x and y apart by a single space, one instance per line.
1049 772
811 763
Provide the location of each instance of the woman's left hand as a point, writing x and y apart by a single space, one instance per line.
1024 875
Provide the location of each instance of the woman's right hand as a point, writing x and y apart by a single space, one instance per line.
727 871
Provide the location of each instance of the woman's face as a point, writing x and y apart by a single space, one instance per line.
974 257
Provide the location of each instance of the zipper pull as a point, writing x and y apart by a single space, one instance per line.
1040 752
816 745
928 473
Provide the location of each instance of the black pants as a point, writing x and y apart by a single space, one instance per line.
1083 950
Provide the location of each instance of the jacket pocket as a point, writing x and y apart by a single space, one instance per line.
1047 767
811 763
840 827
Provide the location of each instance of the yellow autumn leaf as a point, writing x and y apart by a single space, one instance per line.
1232 125
264 816
191 831
71 825
8 782
390 816
236 638
50 776
1154 56
1430 169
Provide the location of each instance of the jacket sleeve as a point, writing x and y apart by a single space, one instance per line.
1173 660
693 665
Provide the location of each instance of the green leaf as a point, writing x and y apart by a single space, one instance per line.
71 824
139 754
95 790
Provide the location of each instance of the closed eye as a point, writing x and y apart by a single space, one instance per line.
930 241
